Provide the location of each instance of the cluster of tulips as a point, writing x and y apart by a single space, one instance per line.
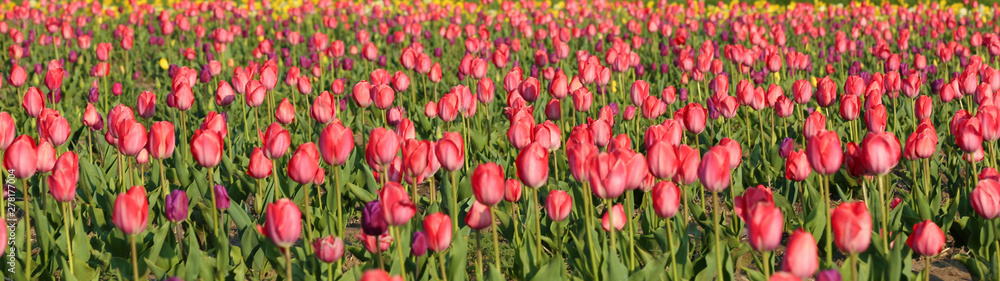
303 142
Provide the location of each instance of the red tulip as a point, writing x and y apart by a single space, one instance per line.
132 137
437 228
582 99
382 96
33 102
303 165
784 276
881 152
283 223
827 91
689 162
53 127
206 147
260 167
45 157
852 227
766 225
479 216
824 152
985 199
361 94
927 239
553 110
448 107
18 76
285 112
548 135
520 132
968 135
8 130
54 78
485 90
666 199
922 143
735 151
488 184
276 141
131 214
608 175
662 160
753 197
215 122
396 205
450 150
797 166
619 218
802 91
639 92
329 249
62 182
714 171
693 118
558 205
815 123
21 157
801 255
322 109
255 93
850 108
336 143
533 165
146 104
635 164
384 145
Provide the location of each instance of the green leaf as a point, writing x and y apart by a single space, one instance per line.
360 193
553 270
457 255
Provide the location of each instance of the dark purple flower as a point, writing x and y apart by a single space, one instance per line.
221 197
372 220
418 246
176 206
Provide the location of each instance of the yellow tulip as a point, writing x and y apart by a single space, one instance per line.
164 64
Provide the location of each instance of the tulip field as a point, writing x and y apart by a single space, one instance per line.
500 140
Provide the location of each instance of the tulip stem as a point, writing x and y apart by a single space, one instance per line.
538 224
309 229
927 268
444 273
588 208
399 248
135 258
454 201
825 194
27 221
332 268
496 239
336 185
288 263
927 178
631 229
715 232
885 214
163 179
673 257
215 203
67 219
479 255
854 268
766 260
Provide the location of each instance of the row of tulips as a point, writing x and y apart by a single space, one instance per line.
302 142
